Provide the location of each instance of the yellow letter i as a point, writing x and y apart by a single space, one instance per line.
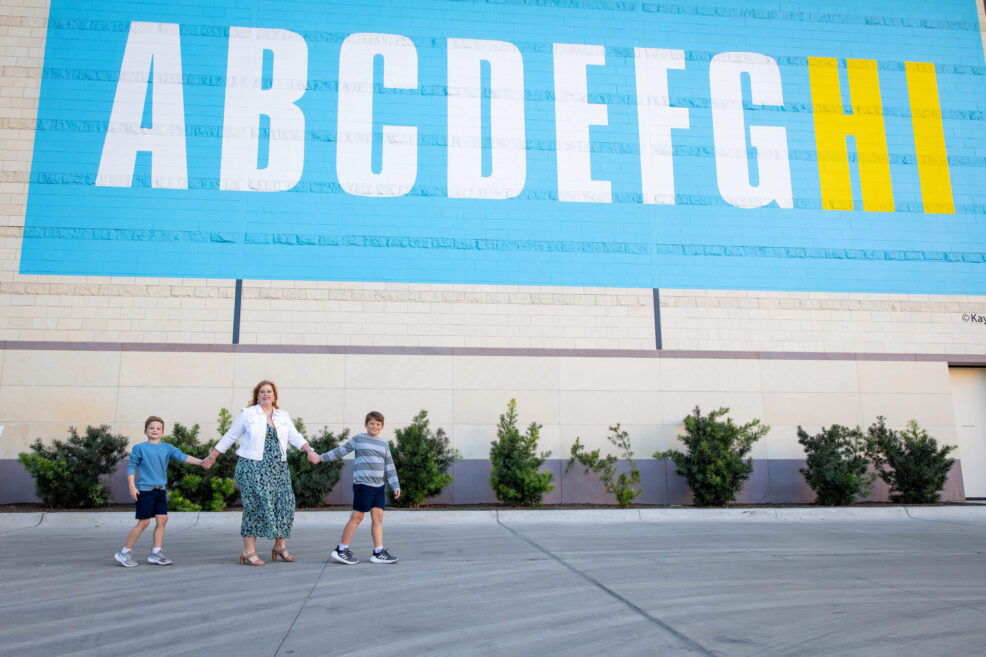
929 138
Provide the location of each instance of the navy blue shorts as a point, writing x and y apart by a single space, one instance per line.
152 503
367 497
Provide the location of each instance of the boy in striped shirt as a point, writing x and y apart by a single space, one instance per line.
372 470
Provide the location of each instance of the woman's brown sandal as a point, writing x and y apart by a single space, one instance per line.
283 553
251 559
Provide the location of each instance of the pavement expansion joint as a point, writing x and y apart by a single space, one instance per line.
610 592
301 608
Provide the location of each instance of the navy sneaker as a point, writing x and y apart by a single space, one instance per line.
344 556
383 557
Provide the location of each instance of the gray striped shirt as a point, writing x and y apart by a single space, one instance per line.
373 461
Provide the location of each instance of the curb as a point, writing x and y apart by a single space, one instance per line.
187 520
540 516
75 519
15 521
946 513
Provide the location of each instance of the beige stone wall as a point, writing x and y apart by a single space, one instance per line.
42 392
104 309
114 309
409 315
822 322
22 36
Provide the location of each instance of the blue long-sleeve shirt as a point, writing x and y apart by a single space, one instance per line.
373 462
151 459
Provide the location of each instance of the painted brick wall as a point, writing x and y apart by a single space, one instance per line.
696 238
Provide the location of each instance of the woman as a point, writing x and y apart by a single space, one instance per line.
263 431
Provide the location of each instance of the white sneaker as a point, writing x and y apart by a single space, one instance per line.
126 559
158 559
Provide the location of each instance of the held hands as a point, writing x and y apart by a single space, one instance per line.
313 457
208 462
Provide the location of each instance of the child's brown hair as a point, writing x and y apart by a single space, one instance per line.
153 418
374 415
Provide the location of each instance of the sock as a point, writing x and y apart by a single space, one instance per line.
343 547
125 549
376 550
155 550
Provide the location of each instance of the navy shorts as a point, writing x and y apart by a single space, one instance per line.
152 503
367 497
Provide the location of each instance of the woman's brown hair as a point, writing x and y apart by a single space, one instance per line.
256 391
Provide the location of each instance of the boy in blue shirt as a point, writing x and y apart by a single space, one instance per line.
148 490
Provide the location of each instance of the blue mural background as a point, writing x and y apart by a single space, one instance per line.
318 232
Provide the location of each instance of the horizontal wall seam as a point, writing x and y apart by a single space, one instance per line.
969 360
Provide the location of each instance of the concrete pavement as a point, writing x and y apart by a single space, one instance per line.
865 582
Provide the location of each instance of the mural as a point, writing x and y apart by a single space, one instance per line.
711 145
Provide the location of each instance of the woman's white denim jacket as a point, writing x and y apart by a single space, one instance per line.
250 429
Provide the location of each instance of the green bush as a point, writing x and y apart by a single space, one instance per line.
66 475
311 483
715 464
190 487
423 458
223 421
624 486
514 462
837 465
909 461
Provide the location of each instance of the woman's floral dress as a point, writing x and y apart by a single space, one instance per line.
265 488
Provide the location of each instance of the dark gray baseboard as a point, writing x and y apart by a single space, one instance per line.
774 481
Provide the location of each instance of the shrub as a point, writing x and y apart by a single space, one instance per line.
624 486
423 458
514 462
223 421
837 465
225 465
190 487
909 461
66 475
714 465
311 483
